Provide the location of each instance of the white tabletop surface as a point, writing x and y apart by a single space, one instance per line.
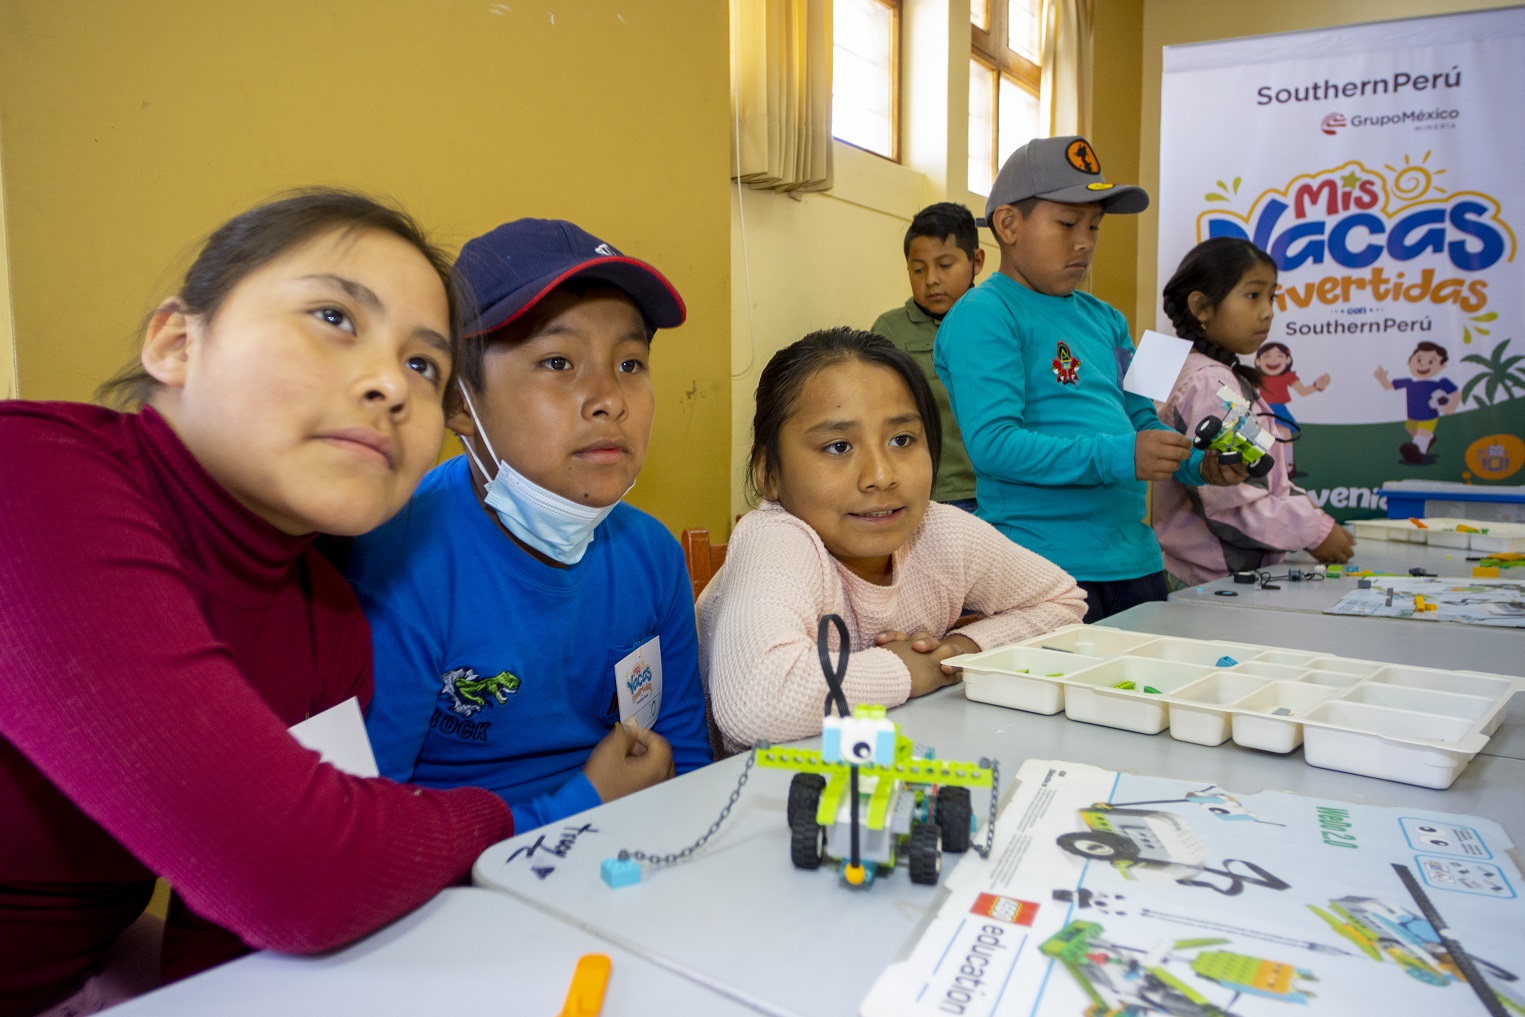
740 918
467 951
1314 597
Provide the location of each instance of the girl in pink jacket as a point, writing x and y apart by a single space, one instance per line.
1221 299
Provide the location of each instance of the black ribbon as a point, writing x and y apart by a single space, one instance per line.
834 672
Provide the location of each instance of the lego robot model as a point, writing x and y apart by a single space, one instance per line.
866 800
1237 435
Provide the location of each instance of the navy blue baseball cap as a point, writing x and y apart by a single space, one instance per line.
509 270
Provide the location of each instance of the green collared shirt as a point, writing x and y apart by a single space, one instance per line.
914 331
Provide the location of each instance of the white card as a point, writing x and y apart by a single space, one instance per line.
1156 364
338 735
638 681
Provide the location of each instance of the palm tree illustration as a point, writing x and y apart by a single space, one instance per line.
1500 372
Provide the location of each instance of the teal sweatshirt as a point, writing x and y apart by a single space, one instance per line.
1036 385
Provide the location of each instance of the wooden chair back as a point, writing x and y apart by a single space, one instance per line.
703 558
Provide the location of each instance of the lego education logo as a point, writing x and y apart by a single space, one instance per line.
1389 234
1005 909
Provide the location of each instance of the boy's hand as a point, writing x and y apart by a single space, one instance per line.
1338 547
1218 475
628 760
1381 375
923 655
1158 454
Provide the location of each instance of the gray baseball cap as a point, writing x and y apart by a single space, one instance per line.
1065 170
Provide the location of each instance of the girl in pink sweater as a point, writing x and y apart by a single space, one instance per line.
1221 298
845 442
164 617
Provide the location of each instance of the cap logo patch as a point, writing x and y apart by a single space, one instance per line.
1097 187
1081 157
605 250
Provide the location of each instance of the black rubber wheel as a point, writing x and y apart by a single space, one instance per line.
1107 847
1207 430
953 814
807 844
926 854
1260 467
1230 458
804 796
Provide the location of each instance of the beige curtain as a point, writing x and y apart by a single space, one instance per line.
781 94
1066 95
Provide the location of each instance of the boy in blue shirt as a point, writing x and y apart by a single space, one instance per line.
519 610
1034 369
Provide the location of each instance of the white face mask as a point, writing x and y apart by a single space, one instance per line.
557 527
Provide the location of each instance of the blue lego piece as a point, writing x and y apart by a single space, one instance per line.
618 872
1226 661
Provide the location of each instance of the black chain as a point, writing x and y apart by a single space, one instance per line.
677 856
995 796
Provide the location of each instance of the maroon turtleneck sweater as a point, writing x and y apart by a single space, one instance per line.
156 640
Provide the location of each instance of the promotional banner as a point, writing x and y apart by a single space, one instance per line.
1380 167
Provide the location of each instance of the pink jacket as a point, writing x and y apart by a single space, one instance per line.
758 616
1207 532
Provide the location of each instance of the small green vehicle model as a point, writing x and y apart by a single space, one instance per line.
865 799
1237 435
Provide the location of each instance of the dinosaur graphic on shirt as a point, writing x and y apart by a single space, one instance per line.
468 692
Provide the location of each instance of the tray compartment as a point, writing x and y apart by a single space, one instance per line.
1194 651
1021 677
1091 697
1286 658
1344 665
1460 682
1197 712
1257 725
1361 742
1276 672
1441 704
1091 640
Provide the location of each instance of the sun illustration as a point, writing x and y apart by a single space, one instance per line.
1414 180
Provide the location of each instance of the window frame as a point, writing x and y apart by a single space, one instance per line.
896 12
989 47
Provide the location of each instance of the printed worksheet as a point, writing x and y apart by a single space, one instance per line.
1496 602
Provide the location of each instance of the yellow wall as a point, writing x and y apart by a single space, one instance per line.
7 343
1172 22
1117 61
132 129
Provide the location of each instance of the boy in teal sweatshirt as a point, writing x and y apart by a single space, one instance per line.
1034 370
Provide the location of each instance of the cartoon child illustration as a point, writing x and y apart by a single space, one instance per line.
1277 383
1429 395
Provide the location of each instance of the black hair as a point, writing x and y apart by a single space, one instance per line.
1213 268
1428 347
474 348
249 241
942 220
1285 349
779 387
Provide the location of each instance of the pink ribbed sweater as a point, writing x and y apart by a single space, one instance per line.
758 616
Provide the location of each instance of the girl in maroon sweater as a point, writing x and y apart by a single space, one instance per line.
164 618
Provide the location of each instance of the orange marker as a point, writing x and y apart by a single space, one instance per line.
585 998
1418 522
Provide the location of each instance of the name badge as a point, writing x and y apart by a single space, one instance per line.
638 683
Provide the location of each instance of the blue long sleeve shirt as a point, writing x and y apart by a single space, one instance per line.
496 670
1036 386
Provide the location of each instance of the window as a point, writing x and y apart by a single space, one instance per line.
865 73
1004 75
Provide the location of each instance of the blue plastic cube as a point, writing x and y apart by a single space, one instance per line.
618 872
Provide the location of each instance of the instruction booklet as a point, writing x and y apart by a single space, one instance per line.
1117 894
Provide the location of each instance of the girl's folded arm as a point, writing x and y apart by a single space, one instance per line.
1022 594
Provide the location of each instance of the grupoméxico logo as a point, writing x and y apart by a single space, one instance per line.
1332 123
1404 235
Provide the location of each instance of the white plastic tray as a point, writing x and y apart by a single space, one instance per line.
1411 724
1443 531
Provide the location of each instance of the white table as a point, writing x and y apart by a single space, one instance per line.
739 918
467 951
1313 597
1395 640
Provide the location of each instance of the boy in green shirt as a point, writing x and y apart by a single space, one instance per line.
942 257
